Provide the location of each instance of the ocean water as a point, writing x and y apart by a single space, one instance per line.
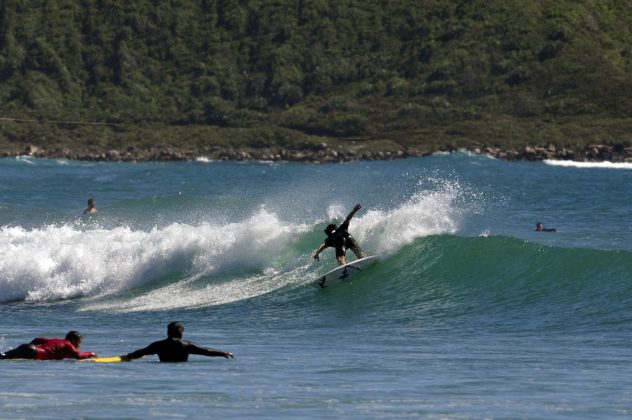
468 313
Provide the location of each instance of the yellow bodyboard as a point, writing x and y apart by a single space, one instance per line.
113 359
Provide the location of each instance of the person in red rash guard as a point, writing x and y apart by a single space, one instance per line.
50 349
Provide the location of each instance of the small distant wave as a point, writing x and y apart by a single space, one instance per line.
589 165
26 159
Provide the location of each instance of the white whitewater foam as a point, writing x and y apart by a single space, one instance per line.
60 262
589 165
426 213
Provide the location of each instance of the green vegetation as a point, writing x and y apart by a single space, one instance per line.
390 75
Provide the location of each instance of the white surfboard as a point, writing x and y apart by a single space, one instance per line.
343 273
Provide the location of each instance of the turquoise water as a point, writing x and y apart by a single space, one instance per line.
468 313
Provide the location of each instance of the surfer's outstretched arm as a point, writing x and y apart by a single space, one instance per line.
345 224
319 250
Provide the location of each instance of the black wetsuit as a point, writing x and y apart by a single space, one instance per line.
173 349
342 240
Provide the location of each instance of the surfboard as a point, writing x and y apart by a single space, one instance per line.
343 273
113 359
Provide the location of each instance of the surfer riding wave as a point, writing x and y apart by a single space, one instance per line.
339 238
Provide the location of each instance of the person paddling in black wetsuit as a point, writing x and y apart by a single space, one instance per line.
340 238
174 348
539 227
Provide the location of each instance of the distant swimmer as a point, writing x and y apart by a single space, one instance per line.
92 207
539 227
339 238
50 349
174 348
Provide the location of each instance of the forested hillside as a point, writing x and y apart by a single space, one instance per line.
405 74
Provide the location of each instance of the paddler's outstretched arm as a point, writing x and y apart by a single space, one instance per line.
204 351
150 349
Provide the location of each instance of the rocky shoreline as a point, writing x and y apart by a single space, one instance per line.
324 154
